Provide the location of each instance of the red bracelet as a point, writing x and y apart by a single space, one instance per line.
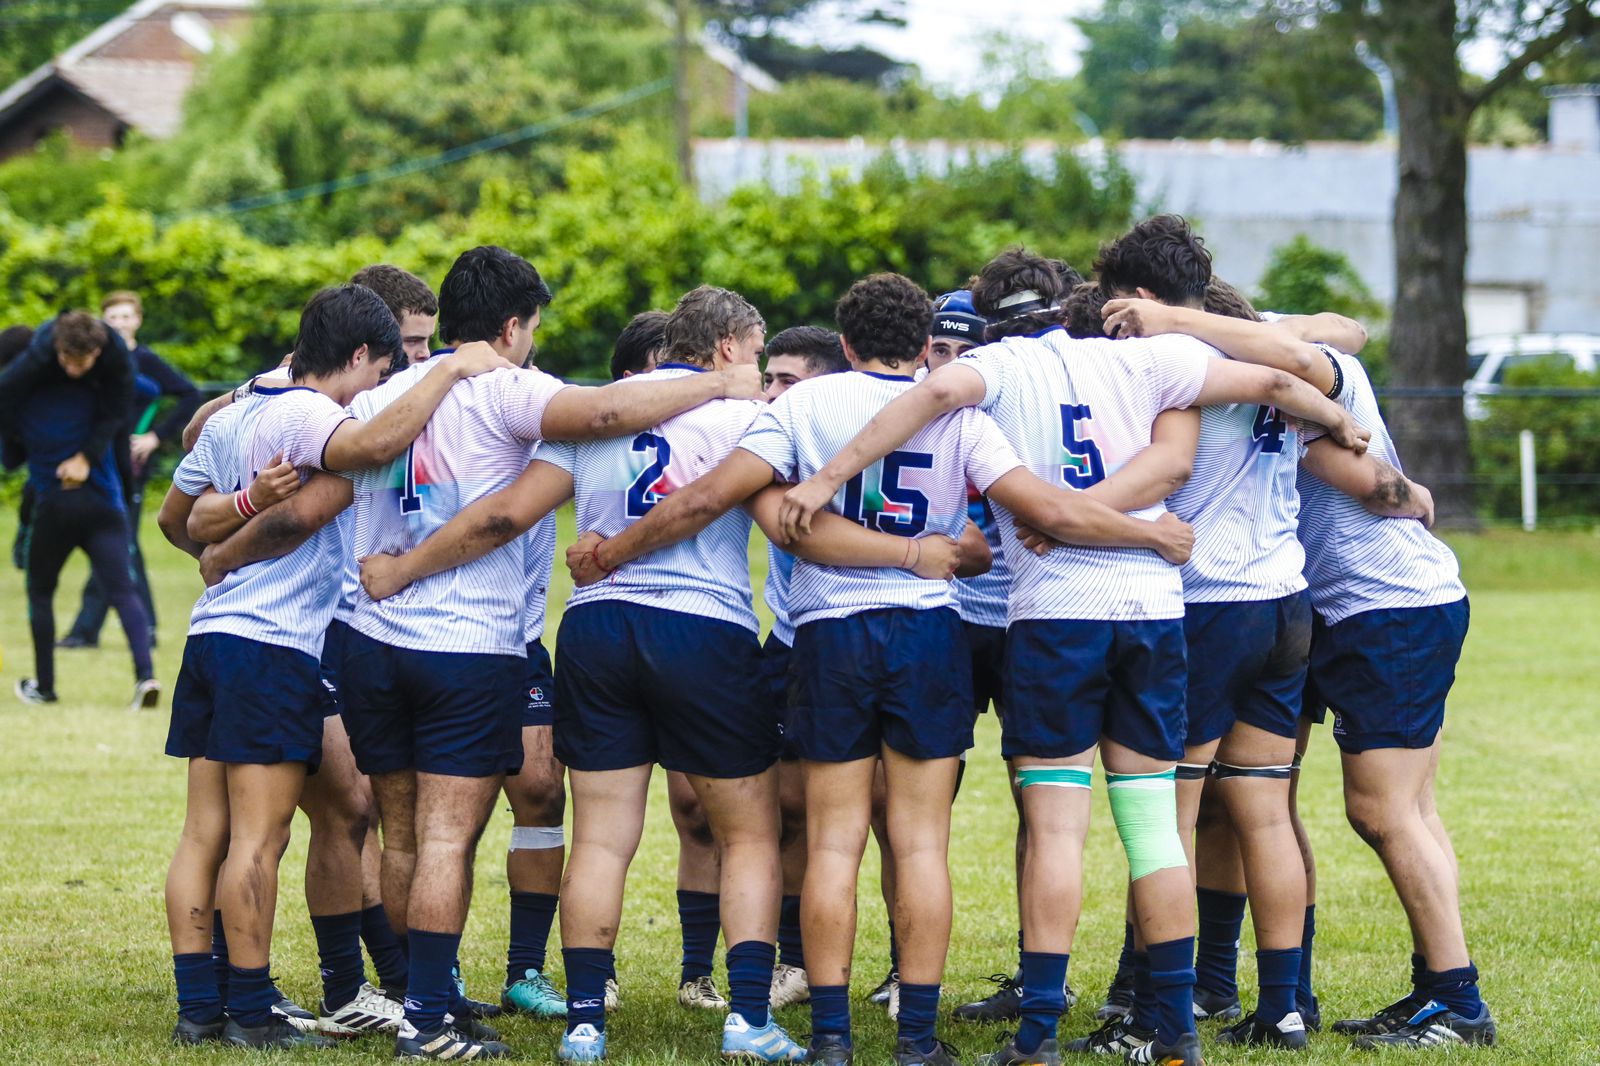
905 563
242 504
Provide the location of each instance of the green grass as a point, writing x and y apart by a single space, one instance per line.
92 810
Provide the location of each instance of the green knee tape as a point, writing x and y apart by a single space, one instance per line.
1145 808
1057 776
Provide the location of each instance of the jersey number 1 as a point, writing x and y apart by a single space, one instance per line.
641 496
410 499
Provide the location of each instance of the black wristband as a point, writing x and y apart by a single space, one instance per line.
1338 375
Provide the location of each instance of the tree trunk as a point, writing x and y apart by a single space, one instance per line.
1428 340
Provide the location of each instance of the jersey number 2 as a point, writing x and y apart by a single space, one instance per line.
1086 467
640 495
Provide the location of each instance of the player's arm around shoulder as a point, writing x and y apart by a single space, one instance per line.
1070 517
1370 481
836 541
281 528
1267 344
634 405
1160 469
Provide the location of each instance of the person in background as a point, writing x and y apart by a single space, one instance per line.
123 311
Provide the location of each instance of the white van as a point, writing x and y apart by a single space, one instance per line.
1489 357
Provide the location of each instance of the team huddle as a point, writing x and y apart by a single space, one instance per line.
1132 515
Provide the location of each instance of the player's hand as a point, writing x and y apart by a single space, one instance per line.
383 575
799 504
937 558
1174 538
583 563
1348 434
741 382
141 446
73 472
477 357
1135 318
276 483
211 569
1424 501
1036 542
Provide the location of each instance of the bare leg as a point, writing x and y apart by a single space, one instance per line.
1259 809
338 805
1052 872
396 797
838 814
699 867
538 799
792 826
607 821
192 877
920 794
261 803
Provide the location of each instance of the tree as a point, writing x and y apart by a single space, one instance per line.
1421 41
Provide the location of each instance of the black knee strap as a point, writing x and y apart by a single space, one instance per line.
1223 770
1188 771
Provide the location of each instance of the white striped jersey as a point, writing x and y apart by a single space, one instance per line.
1078 411
919 489
981 600
780 571
287 601
1355 560
477 442
539 559
350 584
617 482
1244 507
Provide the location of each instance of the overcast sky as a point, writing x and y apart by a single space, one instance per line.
946 37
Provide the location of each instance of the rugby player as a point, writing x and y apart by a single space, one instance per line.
1099 632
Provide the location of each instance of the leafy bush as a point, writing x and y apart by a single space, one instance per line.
1566 445
1303 278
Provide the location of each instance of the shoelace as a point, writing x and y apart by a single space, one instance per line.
1007 982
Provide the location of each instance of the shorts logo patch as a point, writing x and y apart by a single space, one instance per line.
536 697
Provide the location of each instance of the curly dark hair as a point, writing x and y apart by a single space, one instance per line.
1083 311
1161 254
1224 299
403 292
1018 270
887 318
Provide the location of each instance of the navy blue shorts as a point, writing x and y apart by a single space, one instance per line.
1247 663
638 685
242 701
333 667
775 677
539 682
1069 682
448 713
988 647
896 677
1385 674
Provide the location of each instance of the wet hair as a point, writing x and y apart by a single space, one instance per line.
818 346
337 321
1083 311
1224 299
640 339
121 296
1043 284
703 319
886 317
487 287
79 333
403 292
1161 254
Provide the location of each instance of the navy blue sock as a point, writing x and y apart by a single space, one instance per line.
1172 984
1217 962
1278 973
750 979
1456 989
431 988
339 953
1125 960
388 957
894 948
1144 997
789 941
1303 997
198 998
1044 977
219 953
532 914
587 969
700 915
919 1006
250 996
830 1010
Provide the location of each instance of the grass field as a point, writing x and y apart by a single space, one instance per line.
92 809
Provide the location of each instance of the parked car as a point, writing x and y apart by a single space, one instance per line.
1491 356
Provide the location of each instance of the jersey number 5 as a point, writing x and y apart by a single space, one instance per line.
1085 467
911 514
641 494
1270 428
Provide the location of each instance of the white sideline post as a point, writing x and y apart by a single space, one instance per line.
1530 487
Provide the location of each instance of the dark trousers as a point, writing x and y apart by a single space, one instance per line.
96 602
81 518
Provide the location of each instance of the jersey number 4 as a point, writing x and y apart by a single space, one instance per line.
641 494
1269 428
1085 467
910 514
